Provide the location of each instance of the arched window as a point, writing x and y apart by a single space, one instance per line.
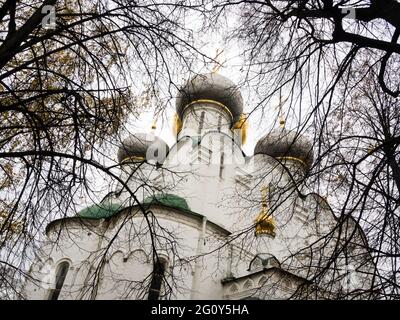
61 274
201 123
219 122
221 164
157 280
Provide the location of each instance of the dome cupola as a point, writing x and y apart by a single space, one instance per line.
169 200
212 88
143 146
100 211
282 144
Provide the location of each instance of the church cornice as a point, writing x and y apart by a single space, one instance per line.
263 271
173 215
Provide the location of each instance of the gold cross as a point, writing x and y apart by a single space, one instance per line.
218 64
264 192
280 105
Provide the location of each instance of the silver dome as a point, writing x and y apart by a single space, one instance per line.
282 143
143 145
211 86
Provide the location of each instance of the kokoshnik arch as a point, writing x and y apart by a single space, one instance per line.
223 225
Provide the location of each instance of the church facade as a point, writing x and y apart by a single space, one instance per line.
201 220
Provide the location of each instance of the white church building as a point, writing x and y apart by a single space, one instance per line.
202 220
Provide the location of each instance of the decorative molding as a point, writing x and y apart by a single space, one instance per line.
129 160
209 101
292 159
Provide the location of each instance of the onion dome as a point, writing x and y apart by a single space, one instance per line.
286 145
211 87
143 146
169 200
100 211
265 225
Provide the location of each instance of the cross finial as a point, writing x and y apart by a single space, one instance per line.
264 192
280 105
154 123
217 64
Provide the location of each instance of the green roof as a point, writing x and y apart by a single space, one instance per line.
100 211
170 200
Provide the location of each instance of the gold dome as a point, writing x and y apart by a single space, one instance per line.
265 223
